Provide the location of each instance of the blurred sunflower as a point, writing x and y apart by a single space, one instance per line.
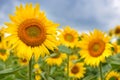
73 57
95 48
23 61
111 32
37 77
1 34
116 31
31 31
113 76
56 59
4 52
68 37
116 48
77 70
37 72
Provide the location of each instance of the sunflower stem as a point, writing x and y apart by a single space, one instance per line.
30 69
68 67
100 66
48 72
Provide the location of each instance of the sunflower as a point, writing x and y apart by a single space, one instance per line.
73 57
23 61
68 37
95 47
116 31
37 72
113 76
37 77
111 32
77 70
31 31
4 52
1 34
56 60
116 48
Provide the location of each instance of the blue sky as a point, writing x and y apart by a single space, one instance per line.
82 15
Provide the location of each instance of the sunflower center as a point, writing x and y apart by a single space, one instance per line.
24 60
75 70
113 78
2 51
117 30
69 37
96 47
32 32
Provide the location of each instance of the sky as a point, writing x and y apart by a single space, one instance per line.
81 15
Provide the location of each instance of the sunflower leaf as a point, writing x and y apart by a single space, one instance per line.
9 71
50 78
64 49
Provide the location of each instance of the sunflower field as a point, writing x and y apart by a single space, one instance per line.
32 47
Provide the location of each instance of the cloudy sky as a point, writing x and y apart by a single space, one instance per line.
82 15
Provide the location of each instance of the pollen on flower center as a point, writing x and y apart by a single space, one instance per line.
32 32
69 37
75 70
24 60
117 30
96 47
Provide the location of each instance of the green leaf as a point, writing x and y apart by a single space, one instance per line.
9 71
90 77
52 70
43 75
64 49
10 77
115 59
50 78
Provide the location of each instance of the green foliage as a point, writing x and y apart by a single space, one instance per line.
64 49
11 69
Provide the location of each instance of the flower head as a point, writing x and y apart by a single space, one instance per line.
31 32
95 47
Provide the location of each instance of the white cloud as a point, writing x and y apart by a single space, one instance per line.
83 15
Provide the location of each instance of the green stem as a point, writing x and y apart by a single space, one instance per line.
30 69
100 66
68 67
48 71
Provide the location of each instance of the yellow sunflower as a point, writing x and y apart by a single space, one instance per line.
56 60
37 77
68 37
37 72
95 47
4 53
1 34
73 57
116 31
31 31
77 70
116 48
113 76
111 32
23 61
